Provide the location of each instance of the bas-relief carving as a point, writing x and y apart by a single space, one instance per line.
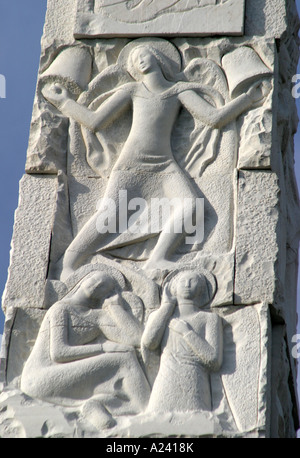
150 100
114 370
190 342
48 134
85 352
159 17
147 169
145 10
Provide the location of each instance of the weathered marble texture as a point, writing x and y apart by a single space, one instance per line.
123 18
245 310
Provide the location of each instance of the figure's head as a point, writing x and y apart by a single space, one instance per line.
143 59
97 286
189 285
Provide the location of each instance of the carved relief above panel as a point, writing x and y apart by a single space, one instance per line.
104 18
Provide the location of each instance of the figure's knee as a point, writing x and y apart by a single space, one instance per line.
32 386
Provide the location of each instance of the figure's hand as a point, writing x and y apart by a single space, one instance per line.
168 301
258 92
55 94
167 296
112 301
179 326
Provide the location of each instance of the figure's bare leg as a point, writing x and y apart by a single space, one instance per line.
84 245
80 248
167 243
91 238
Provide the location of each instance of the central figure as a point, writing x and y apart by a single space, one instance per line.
146 167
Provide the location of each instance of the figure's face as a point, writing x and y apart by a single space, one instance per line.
96 286
144 60
188 286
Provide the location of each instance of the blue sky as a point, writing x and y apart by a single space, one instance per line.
21 26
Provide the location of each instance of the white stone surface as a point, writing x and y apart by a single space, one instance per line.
247 336
31 242
131 18
256 254
97 323
24 418
19 344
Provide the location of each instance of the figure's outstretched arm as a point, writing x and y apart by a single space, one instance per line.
108 111
219 117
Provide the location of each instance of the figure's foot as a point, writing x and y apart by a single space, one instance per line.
158 269
96 414
161 264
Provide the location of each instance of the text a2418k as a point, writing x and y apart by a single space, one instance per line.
152 447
